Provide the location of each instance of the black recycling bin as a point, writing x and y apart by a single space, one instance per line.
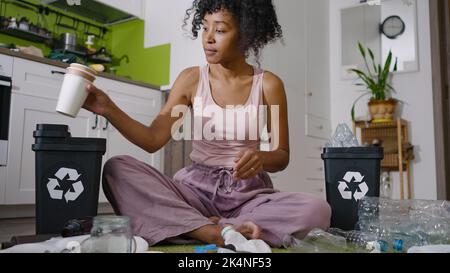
67 176
350 175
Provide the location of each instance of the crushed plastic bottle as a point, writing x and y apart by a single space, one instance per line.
241 244
317 241
385 186
427 222
343 138
385 242
364 240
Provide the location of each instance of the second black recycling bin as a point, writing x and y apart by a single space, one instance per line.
67 176
350 175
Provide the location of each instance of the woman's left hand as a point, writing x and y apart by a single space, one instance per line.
249 163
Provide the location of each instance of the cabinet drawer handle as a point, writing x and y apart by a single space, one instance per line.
309 94
320 127
106 126
96 123
58 72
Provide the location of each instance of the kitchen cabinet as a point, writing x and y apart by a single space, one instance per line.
317 89
6 64
36 79
317 94
140 104
34 99
134 7
26 112
317 127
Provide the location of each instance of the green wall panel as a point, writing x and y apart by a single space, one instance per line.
150 65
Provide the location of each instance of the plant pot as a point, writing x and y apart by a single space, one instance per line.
382 110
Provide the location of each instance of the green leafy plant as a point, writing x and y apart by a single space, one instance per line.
376 79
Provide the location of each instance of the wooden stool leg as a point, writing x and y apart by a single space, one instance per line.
400 157
408 179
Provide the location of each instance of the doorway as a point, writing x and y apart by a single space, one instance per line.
440 51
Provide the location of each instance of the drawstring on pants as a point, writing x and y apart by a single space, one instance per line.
225 181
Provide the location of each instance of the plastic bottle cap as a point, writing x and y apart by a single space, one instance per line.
225 230
206 249
398 245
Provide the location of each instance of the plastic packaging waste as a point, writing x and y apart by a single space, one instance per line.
77 227
72 247
66 245
364 240
241 244
428 222
385 185
430 249
343 138
386 242
110 234
317 241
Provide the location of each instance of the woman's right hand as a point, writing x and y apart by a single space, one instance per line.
97 101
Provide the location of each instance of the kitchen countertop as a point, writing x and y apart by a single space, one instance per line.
9 52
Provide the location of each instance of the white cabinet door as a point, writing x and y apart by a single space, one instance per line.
26 112
317 73
36 79
134 7
141 104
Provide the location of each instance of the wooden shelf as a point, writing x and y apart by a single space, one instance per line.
26 35
370 125
390 162
392 135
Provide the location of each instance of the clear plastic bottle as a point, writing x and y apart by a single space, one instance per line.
385 186
384 242
364 240
316 241
405 223
401 242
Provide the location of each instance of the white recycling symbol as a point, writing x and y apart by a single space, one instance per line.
70 195
354 177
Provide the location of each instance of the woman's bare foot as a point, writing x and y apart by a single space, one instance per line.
211 234
250 230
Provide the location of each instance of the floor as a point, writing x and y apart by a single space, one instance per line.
16 227
26 226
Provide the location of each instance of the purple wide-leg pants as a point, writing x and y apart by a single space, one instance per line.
161 208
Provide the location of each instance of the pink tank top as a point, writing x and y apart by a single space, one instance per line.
219 134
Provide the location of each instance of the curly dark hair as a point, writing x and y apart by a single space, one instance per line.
257 21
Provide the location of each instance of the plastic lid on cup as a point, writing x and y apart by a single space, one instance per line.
84 68
86 75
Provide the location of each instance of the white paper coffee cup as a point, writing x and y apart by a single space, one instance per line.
73 92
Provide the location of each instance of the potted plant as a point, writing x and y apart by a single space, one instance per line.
376 80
